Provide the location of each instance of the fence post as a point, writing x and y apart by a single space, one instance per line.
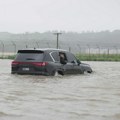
3 46
108 51
88 49
116 49
48 44
26 46
37 44
98 49
79 48
69 49
13 43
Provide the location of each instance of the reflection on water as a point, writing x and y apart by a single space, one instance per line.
80 97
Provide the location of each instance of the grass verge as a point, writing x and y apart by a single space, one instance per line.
98 57
84 57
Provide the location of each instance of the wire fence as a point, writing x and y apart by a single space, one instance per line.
11 47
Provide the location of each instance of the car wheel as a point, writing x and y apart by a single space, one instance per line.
12 72
89 71
57 73
54 73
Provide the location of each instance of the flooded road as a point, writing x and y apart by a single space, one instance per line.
93 96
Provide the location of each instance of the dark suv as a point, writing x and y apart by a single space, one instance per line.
47 62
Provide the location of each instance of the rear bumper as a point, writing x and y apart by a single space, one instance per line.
30 73
29 70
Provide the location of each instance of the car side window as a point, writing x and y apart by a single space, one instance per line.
62 54
63 58
71 57
47 58
55 56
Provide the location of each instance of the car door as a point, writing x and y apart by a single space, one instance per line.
64 67
67 67
75 68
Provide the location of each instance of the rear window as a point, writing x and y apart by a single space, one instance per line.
30 56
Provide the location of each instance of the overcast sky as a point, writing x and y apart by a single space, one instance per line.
62 15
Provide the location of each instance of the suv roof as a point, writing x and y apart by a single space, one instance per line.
44 49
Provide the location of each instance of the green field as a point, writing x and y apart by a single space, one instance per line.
8 57
98 57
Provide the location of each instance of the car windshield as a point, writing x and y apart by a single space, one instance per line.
30 56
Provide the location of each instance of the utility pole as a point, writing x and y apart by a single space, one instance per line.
57 34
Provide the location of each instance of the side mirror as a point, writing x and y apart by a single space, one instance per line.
78 61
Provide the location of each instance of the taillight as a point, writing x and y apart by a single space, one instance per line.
40 63
15 63
33 63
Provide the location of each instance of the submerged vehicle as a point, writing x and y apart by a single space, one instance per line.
47 62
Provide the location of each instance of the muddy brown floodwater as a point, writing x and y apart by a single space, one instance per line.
93 96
